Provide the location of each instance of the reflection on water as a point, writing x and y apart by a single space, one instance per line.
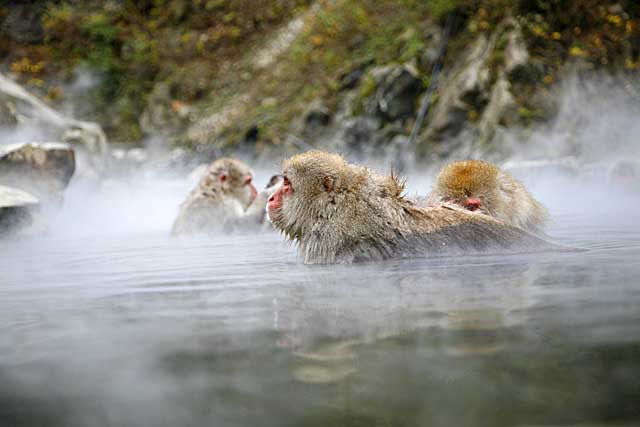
232 330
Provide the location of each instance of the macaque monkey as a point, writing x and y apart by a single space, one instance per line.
224 200
339 213
479 186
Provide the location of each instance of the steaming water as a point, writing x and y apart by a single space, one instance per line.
108 322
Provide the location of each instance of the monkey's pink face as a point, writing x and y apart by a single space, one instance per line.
274 205
472 204
469 203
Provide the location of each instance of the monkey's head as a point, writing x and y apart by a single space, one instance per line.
324 197
472 184
233 178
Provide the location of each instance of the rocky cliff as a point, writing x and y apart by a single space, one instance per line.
279 76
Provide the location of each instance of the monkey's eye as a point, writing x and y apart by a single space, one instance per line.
286 181
248 180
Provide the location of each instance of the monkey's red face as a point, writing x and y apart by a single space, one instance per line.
275 201
252 188
472 204
469 203
238 184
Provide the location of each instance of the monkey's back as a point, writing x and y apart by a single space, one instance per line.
518 207
443 230
204 210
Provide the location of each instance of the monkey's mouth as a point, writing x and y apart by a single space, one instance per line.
472 204
274 204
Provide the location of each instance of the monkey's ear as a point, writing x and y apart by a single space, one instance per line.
327 181
222 176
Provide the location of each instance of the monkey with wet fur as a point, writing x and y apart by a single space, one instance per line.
339 213
224 200
479 186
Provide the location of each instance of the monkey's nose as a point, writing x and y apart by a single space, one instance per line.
472 204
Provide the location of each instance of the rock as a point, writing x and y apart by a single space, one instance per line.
516 53
397 93
517 64
465 90
432 36
43 169
27 110
17 210
500 109
86 134
359 134
351 79
316 117
251 135
125 160
22 22
7 115
477 98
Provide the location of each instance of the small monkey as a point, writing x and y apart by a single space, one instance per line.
339 213
224 200
479 186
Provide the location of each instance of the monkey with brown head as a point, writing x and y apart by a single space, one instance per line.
482 187
339 212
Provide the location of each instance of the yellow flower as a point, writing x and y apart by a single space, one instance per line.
538 31
615 20
577 51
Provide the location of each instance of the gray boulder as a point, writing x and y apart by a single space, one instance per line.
500 110
43 169
477 100
467 89
360 135
18 210
398 88
316 118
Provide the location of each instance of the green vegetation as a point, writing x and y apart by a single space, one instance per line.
204 51
133 44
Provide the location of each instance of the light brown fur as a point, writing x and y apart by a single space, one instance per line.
340 212
215 206
501 195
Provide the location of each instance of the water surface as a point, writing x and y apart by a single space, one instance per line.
131 328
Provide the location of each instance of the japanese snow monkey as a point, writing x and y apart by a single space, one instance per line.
224 200
339 213
479 186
